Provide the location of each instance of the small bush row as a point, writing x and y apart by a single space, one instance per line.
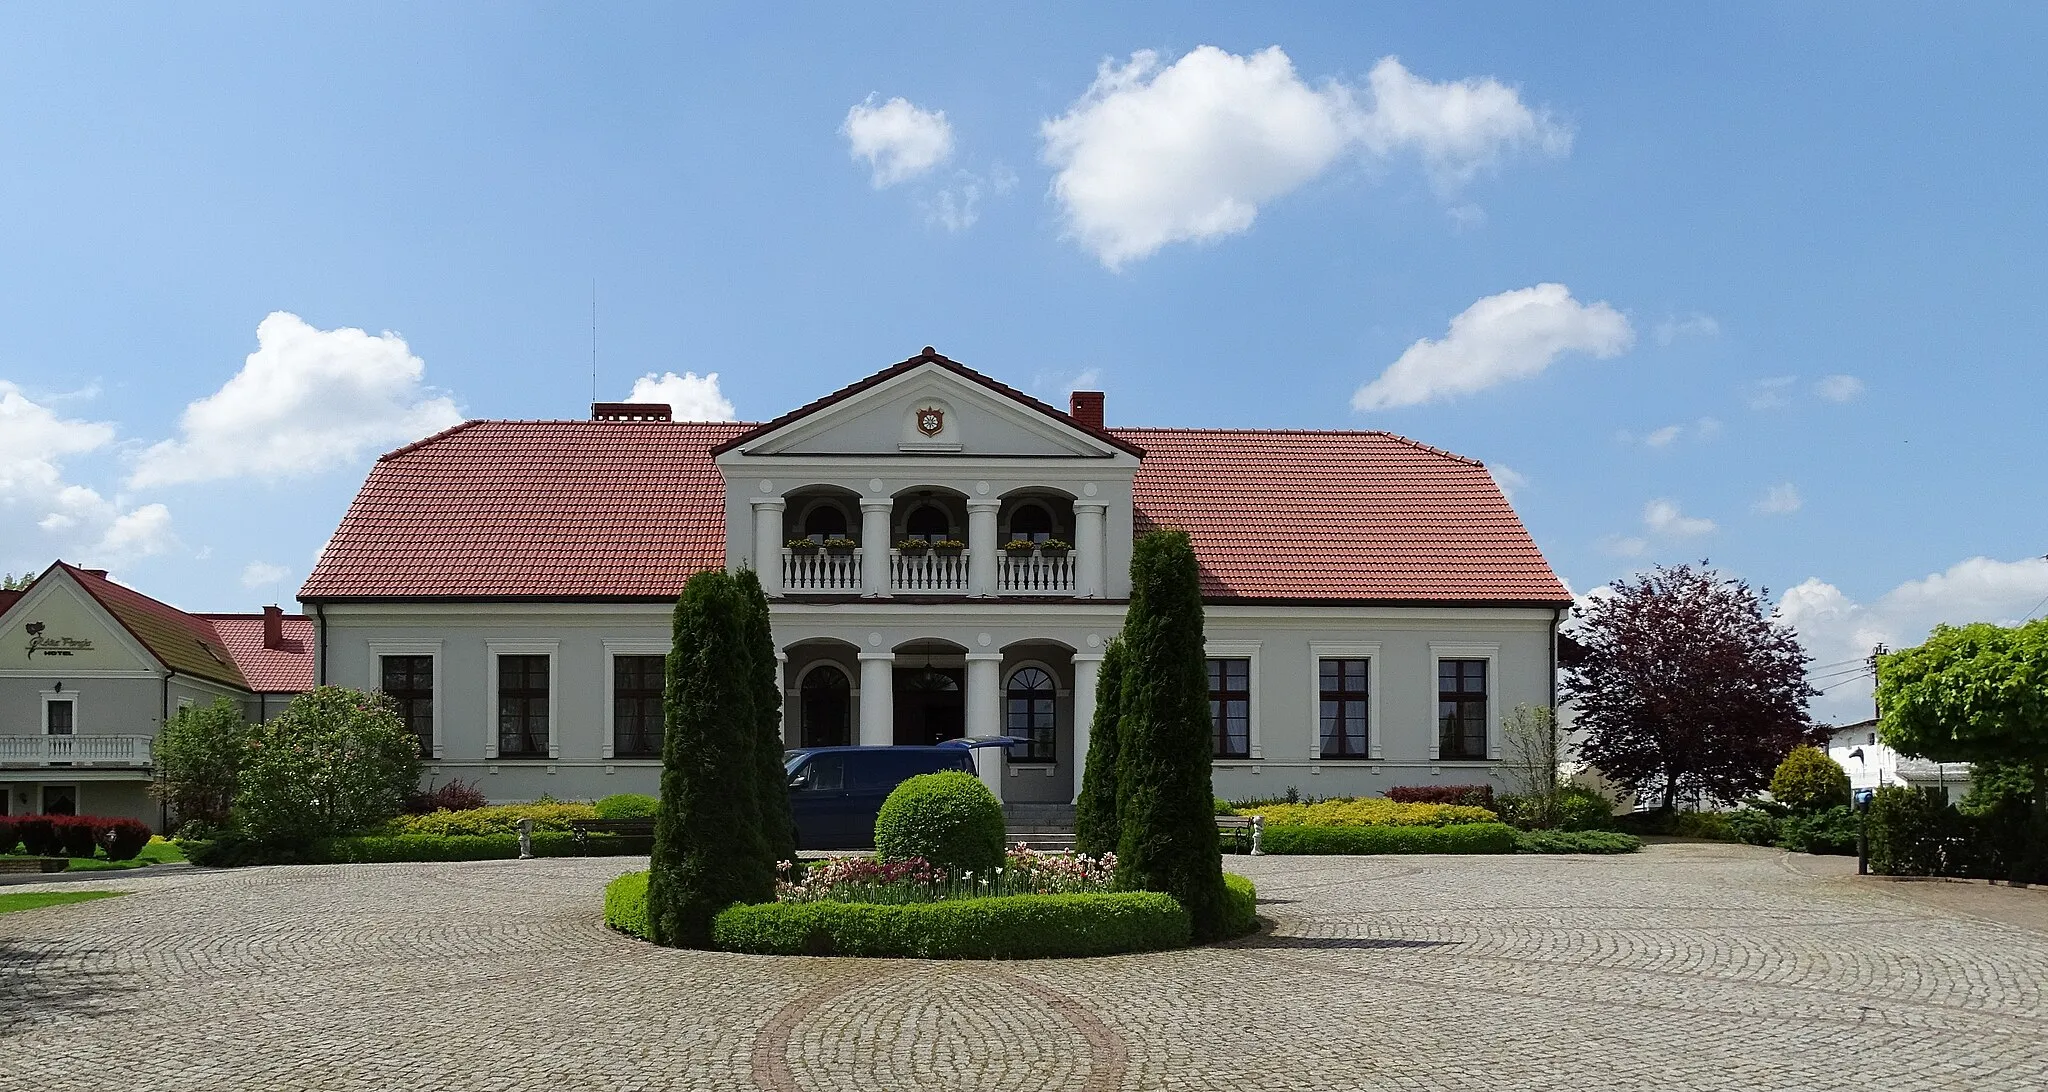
497 819
1572 807
1575 841
1368 811
1240 905
456 795
1457 838
72 836
1915 833
232 850
1471 796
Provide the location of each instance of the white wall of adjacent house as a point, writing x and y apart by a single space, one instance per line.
983 648
1878 765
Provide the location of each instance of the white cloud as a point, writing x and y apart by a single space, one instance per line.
262 574
1509 479
74 521
1153 154
957 206
1838 388
1839 632
1625 545
690 397
1466 218
1514 335
1663 518
306 400
1780 500
898 139
1769 394
1664 437
1706 428
1693 325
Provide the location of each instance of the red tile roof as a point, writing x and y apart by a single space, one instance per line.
628 510
534 509
287 670
1107 436
1349 516
182 642
7 598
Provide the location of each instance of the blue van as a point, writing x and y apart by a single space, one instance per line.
836 792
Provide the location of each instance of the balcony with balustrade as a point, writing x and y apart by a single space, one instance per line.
73 751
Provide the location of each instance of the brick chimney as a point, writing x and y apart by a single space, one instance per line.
629 411
101 573
273 627
1086 407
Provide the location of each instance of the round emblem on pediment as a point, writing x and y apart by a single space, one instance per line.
931 420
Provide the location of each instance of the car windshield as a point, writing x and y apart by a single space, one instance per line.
789 761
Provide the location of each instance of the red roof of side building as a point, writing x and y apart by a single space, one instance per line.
286 670
628 510
182 642
1337 516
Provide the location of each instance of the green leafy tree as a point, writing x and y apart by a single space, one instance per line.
771 785
1808 780
336 761
1535 750
1095 825
708 848
1688 686
11 582
1165 799
198 760
1976 693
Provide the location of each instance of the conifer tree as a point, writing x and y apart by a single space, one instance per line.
1095 825
771 785
708 848
1165 798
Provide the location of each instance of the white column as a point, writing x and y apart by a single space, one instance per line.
1087 665
782 688
874 547
768 543
982 546
1088 548
984 715
877 699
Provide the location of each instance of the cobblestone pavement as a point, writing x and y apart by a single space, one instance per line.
1683 967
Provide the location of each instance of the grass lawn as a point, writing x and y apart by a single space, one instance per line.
158 851
33 900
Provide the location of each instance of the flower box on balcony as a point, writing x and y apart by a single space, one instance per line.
840 547
1053 547
949 547
801 546
1018 547
913 547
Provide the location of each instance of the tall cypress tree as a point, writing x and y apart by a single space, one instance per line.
708 849
771 787
1166 802
1095 825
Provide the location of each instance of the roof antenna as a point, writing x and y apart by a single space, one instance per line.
593 339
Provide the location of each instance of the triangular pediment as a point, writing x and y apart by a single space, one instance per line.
56 629
929 405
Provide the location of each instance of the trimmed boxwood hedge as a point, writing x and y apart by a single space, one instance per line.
233 850
1006 927
1460 838
1575 841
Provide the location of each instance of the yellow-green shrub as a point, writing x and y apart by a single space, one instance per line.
501 819
1369 811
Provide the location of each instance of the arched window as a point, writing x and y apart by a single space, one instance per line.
1030 705
1031 522
826 702
825 521
928 522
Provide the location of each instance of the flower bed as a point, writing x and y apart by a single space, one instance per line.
1457 838
1024 872
1367 811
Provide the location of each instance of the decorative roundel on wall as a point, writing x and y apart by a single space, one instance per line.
1089 489
983 640
1095 640
874 638
767 486
931 420
874 485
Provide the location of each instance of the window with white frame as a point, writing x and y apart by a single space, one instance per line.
1032 704
409 682
525 705
1345 707
1230 706
1461 708
60 716
636 705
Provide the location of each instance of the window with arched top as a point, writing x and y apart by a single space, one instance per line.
825 521
1032 522
826 703
929 523
1030 705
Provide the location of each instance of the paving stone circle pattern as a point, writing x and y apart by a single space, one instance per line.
1685 967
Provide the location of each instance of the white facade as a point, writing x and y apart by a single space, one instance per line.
894 640
1872 765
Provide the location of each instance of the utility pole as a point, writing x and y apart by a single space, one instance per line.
1876 654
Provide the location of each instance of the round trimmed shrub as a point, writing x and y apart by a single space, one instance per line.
123 838
1808 780
628 805
950 819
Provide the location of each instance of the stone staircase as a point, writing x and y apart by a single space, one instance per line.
1040 826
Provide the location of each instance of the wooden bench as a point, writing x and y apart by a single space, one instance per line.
1245 832
582 829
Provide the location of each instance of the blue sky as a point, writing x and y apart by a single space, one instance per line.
1799 258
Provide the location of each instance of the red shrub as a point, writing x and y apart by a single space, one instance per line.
38 835
10 833
457 795
1474 796
76 835
122 838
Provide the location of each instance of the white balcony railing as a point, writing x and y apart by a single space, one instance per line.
74 750
820 572
1035 574
928 572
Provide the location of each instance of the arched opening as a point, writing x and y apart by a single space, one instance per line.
825 520
1030 714
931 707
1032 521
825 707
927 523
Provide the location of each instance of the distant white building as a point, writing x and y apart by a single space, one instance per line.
1872 765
